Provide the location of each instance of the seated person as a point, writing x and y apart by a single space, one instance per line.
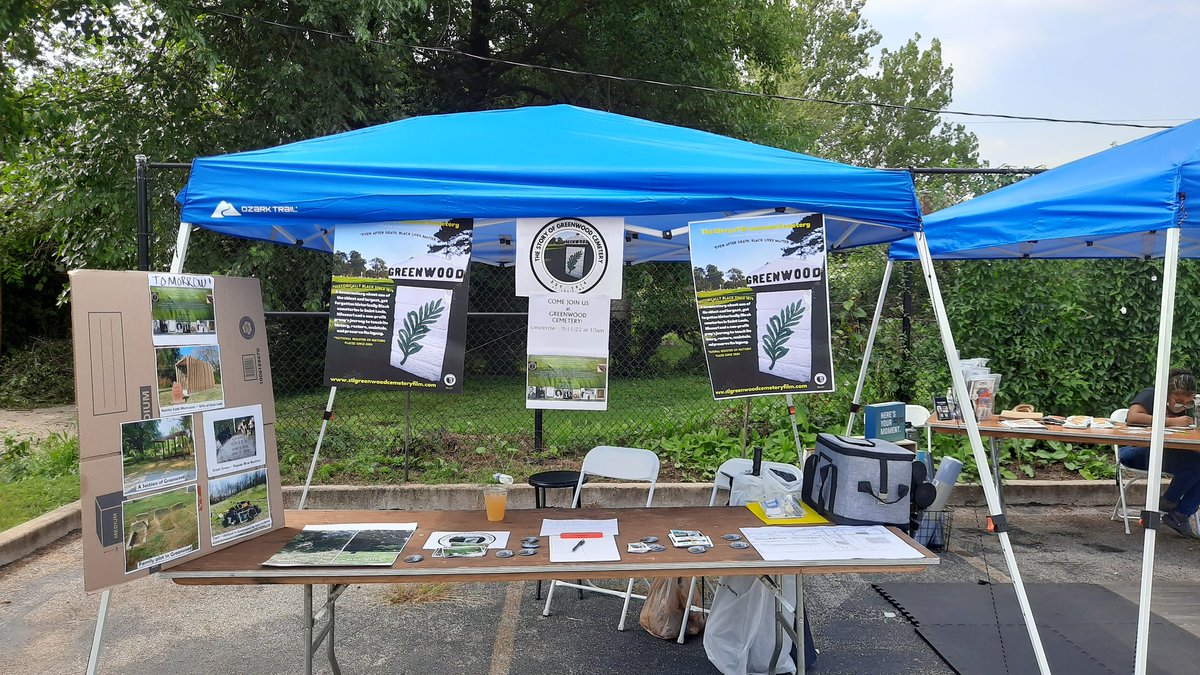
1182 498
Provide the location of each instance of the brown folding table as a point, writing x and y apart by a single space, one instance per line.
242 563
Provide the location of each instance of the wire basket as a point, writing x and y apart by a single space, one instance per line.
934 530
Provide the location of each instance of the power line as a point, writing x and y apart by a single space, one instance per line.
676 85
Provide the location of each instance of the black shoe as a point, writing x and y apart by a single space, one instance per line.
1181 524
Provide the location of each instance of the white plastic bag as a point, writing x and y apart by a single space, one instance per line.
739 637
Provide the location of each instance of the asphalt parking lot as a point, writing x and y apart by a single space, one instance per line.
155 626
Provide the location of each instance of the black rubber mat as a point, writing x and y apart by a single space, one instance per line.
1085 628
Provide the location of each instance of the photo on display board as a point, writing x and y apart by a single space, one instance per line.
189 378
160 527
182 309
157 453
566 378
233 439
238 505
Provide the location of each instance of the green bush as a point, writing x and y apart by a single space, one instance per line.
38 375
52 457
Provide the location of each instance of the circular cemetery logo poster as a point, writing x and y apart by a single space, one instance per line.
568 255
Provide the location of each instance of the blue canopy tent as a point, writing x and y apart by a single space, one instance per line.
551 161
1125 202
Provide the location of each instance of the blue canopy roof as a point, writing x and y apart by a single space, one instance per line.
1113 204
548 161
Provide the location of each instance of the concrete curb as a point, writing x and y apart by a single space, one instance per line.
20 541
24 539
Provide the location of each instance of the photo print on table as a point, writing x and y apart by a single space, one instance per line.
233 440
189 378
419 335
157 453
238 505
182 309
160 527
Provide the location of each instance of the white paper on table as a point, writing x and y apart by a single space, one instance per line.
602 549
838 542
501 540
551 527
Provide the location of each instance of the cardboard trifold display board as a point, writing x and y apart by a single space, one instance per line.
176 419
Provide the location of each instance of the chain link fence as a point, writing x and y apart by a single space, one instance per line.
658 384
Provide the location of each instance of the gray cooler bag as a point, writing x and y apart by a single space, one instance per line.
859 481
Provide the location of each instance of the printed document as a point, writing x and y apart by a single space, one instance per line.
838 542
553 528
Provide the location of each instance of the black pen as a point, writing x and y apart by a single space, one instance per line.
577 545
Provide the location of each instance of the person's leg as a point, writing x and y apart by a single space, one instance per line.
1184 467
1135 457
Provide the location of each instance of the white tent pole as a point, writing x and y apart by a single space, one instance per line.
1166 323
181 246
998 518
317 451
801 452
862 372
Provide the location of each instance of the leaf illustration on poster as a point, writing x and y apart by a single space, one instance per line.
417 325
762 299
779 329
419 342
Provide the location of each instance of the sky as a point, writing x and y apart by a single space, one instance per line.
1110 60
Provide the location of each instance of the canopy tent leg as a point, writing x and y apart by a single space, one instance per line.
182 239
1166 324
312 466
862 372
98 636
981 461
801 453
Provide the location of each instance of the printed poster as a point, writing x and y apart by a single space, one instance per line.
398 314
570 255
567 365
238 505
160 527
157 453
763 299
233 439
182 311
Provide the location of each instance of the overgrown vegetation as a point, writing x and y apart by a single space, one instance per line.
37 477
39 375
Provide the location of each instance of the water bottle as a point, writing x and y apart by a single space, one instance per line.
502 478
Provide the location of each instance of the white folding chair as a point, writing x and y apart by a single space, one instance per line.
917 416
633 464
723 480
1127 476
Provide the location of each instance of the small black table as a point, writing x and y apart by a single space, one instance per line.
551 480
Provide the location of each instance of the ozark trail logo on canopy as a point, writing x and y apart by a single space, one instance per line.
569 255
223 209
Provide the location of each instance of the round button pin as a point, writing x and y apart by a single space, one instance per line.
414 558
504 553
657 548
530 544
527 551
731 537
649 540
697 549
738 544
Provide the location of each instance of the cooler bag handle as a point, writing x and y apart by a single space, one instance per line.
860 442
881 496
